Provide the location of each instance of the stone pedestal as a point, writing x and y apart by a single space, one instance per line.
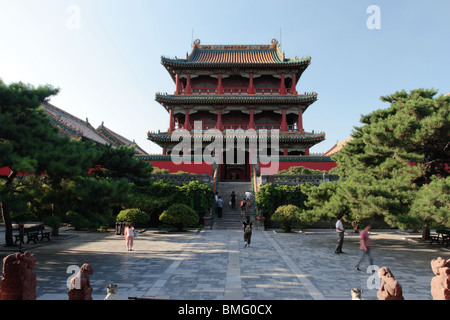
18 282
440 284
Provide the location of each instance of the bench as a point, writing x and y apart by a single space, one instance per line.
441 237
33 234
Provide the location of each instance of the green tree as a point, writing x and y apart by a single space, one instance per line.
198 196
118 163
432 204
270 197
392 156
325 201
29 145
94 199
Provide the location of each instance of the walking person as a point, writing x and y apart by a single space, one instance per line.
219 207
129 236
243 204
233 200
364 246
340 235
247 225
248 198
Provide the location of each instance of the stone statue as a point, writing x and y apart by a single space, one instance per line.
81 285
356 293
390 289
440 284
111 292
18 282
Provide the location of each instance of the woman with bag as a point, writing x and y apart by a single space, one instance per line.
247 225
129 236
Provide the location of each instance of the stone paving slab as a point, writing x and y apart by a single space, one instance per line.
215 265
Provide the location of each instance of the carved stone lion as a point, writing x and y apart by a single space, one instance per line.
390 289
440 284
81 285
18 282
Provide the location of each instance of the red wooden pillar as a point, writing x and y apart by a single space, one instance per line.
293 91
251 124
177 84
187 124
285 151
251 88
219 125
282 85
171 121
188 85
300 120
219 84
284 126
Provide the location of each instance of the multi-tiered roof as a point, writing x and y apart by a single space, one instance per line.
246 61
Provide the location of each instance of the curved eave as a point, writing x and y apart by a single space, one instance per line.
290 137
182 63
166 99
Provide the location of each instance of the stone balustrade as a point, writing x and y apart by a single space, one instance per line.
282 179
181 179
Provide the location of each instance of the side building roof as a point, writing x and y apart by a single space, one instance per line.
75 128
337 147
118 140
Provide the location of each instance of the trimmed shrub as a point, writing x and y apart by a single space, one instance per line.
287 215
179 216
134 216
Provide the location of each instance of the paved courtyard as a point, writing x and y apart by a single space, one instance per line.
215 265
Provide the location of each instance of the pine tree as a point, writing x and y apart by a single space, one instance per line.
23 131
40 160
395 153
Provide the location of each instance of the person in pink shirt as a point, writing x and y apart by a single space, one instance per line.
129 236
364 245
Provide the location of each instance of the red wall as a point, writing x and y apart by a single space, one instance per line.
207 168
191 168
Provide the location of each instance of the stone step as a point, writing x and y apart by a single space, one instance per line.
232 218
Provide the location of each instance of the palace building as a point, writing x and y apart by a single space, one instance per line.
248 94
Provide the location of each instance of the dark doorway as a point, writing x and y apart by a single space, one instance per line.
234 169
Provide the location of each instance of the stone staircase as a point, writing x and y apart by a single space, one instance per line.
232 218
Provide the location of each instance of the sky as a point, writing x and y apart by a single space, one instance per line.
105 55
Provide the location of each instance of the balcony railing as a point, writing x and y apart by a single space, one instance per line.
236 90
243 126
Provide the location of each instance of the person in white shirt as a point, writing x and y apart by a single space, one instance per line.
340 235
248 200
